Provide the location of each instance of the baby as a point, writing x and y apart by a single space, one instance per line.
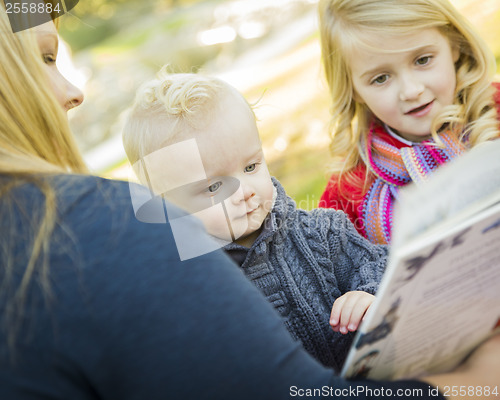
303 262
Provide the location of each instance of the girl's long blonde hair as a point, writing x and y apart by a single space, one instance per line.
348 23
35 140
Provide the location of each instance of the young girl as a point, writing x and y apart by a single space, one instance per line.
411 88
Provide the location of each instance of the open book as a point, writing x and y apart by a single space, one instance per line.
440 295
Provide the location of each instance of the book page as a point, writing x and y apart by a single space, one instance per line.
440 298
440 295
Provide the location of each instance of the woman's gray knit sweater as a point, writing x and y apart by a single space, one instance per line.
302 261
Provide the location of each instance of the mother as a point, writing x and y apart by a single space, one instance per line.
96 305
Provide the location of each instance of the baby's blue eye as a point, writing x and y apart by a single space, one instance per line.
250 168
214 187
423 60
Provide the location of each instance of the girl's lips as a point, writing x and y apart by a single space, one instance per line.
421 110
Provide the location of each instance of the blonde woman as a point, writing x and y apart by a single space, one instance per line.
97 305
411 88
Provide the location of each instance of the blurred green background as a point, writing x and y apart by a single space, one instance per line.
268 49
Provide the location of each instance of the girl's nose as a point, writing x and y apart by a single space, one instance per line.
410 88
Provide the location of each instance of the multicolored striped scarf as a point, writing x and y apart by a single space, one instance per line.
394 168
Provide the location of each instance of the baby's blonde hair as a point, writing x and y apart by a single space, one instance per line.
168 108
348 23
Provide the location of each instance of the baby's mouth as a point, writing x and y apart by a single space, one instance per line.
252 210
248 212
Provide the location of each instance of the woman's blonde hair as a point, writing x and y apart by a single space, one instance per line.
348 23
34 130
35 140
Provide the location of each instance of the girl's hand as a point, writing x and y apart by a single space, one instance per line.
348 311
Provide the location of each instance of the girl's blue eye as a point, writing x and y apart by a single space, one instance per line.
214 187
423 60
380 79
250 168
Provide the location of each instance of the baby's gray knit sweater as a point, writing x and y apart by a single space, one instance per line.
302 261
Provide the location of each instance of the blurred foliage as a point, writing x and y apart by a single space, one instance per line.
485 16
94 21
124 42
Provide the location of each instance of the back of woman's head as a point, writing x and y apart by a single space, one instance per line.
34 131
348 24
